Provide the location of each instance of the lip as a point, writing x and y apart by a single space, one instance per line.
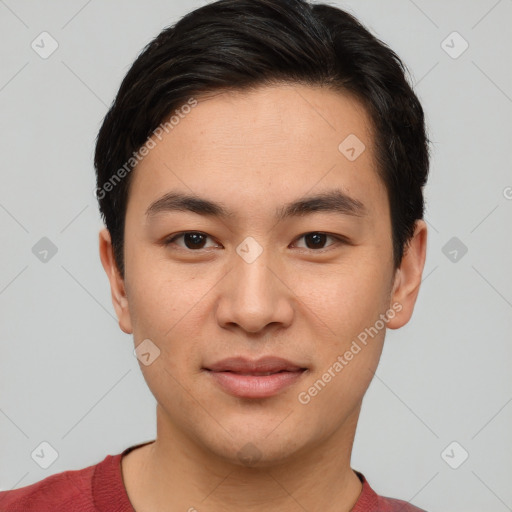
261 378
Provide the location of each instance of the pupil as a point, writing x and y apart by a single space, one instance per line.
317 237
195 239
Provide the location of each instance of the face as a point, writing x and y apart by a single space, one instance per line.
265 299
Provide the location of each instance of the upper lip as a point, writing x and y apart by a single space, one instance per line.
262 365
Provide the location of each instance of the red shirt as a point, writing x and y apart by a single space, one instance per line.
100 488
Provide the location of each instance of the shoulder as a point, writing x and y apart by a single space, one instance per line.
68 490
370 501
395 505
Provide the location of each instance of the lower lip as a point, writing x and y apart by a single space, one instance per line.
254 386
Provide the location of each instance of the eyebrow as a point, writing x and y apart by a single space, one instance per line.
331 201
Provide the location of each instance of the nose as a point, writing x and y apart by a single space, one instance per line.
255 296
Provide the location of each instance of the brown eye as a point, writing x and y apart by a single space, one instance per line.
192 240
316 240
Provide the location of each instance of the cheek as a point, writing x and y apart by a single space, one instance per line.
167 310
346 298
168 307
348 301
160 295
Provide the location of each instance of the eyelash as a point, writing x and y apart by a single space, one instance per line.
339 240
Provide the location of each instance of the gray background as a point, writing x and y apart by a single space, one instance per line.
68 375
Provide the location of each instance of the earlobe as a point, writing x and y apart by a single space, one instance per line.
117 285
407 281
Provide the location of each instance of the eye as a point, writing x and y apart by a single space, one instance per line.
196 240
192 239
316 239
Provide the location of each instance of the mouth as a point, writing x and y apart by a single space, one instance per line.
262 378
257 374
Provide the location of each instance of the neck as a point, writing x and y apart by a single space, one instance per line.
175 473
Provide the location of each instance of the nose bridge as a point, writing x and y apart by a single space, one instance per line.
254 277
254 297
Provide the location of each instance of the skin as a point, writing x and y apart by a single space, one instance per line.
254 152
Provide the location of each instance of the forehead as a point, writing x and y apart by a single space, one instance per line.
264 146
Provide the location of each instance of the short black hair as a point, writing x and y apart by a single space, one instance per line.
242 45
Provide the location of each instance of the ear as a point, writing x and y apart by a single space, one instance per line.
117 286
408 277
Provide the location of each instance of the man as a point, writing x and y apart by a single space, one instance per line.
260 175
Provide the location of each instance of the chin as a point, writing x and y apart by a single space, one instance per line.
253 450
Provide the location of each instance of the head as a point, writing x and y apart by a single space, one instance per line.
260 174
